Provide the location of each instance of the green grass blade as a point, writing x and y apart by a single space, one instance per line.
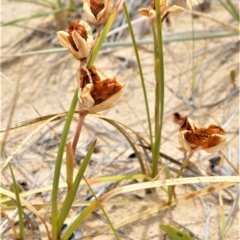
67 204
79 219
233 10
104 212
134 44
229 6
175 233
58 165
181 37
101 38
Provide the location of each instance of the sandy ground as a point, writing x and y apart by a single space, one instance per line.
198 83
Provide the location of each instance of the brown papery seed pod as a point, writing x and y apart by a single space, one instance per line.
209 139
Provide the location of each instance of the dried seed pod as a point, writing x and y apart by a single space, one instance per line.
209 139
164 10
78 40
97 11
96 95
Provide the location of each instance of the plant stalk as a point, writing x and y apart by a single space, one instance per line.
159 87
58 164
81 118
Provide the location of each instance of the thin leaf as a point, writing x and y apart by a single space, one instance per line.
175 233
69 165
229 6
134 44
35 122
104 212
146 185
58 165
28 205
67 204
37 15
18 203
159 88
180 37
25 140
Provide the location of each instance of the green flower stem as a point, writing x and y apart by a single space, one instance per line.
134 43
58 166
159 88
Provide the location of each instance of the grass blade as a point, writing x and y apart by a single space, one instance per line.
175 233
19 206
37 15
102 36
159 88
67 204
59 163
104 212
134 44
